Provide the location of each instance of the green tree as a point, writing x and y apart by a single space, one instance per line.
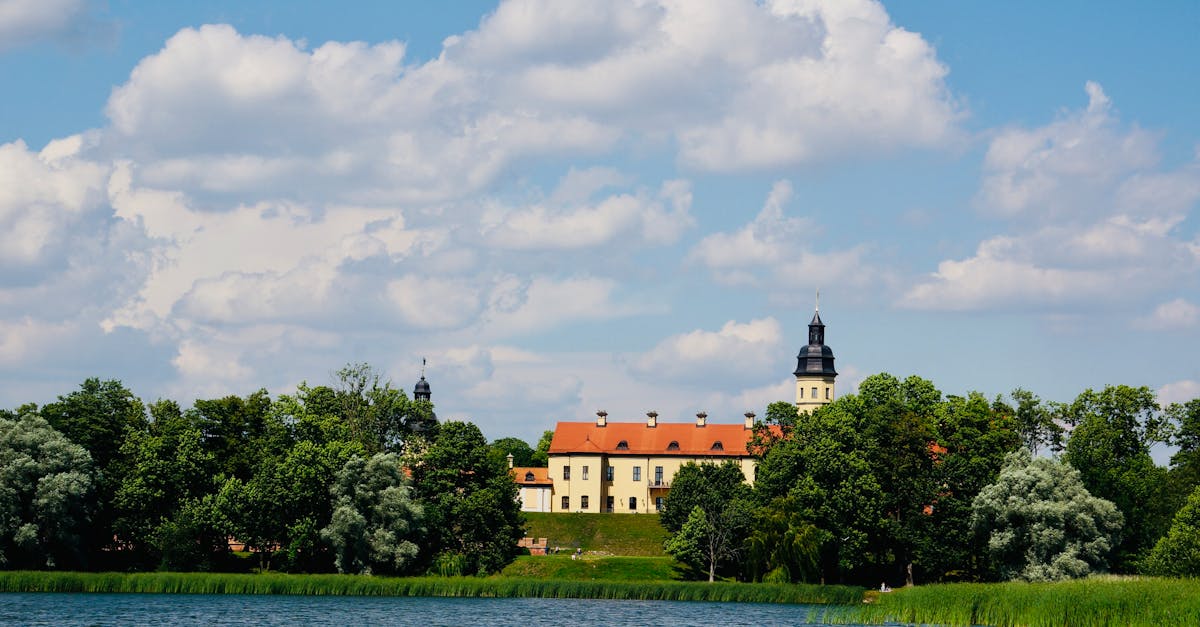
195 537
470 501
714 500
825 466
707 486
236 431
1110 446
1184 475
375 525
973 440
379 416
99 416
1041 523
777 425
541 454
287 502
1177 554
1033 421
863 469
167 467
783 547
518 448
45 484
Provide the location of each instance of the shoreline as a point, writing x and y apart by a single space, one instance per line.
450 587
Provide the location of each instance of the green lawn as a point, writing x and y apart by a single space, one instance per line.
592 568
606 534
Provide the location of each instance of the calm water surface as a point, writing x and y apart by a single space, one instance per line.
200 609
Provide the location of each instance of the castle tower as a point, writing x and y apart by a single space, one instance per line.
421 389
814 368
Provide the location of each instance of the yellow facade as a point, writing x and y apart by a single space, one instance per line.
813 392
637 485
628 468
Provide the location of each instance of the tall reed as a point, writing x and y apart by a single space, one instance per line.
1090 602
222 583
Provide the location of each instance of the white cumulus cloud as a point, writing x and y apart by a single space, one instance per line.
1175 314
737 351
1093 220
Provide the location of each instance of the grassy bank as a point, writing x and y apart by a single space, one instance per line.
1086 603
592 568
612 534
349 585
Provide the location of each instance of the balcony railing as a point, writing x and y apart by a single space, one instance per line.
662 485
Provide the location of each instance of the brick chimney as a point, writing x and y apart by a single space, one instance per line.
651 419
701 419
601 418
749 420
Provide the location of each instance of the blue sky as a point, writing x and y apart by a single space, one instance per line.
568 207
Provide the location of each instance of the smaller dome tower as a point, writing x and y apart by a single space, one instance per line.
815 374
421 389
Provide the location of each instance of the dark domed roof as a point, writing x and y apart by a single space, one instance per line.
815 357
421 390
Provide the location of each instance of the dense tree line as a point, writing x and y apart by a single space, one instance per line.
900 483
354 477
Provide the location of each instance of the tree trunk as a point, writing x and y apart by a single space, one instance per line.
712 570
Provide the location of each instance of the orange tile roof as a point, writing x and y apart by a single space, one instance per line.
588 437
531 475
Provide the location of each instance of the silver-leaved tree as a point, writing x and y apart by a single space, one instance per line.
1040 522
376 523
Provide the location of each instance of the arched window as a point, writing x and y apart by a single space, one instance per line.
717 446
622 445
529 476
673 446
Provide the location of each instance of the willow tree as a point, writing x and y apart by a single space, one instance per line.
375 528
45 487
1041 523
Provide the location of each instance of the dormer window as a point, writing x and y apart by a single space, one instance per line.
622 445
673 446
529 476
717 446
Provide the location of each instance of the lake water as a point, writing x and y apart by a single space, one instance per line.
162 610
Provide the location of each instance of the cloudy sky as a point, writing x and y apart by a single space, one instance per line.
618 205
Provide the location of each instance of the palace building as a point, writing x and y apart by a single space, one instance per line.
627 467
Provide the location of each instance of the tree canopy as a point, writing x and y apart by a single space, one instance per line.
45 485
375 526
1041 523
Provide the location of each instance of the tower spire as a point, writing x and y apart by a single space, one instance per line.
815 373
421 390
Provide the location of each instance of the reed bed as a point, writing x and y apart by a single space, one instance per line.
1093 602
352 585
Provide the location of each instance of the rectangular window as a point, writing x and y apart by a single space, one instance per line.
637 473
566 504
566 473
826 393
814 393
585 469
801 391
633 502
583 502
658 475
659 502
609 504
608 473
